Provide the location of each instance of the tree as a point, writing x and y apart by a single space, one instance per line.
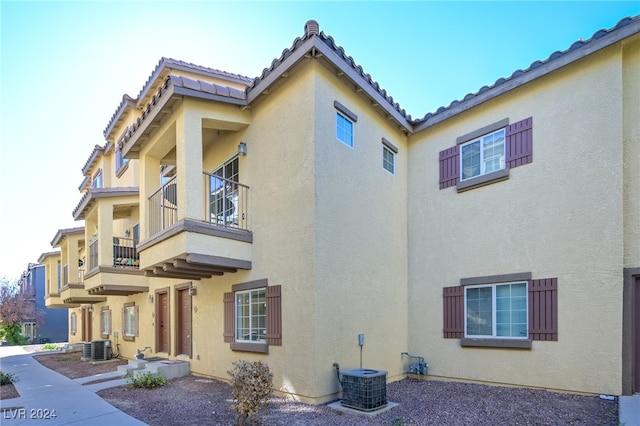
15 308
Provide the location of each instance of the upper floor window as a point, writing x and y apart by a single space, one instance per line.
483 155
389 152
120 160
344 124
344 130
97 180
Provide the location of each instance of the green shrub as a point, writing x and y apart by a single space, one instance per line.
7 378
147 380
251 384
12 333
50 347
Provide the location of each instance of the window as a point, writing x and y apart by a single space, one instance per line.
344 124
73 323
105 322
120 160
485 156
389 152
224 202
344 130
251 316
498 310
130 317
97 180
507 311
482 156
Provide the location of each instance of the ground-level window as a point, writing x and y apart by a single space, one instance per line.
251 316
105 322
29 331
130 321
498 310
73 323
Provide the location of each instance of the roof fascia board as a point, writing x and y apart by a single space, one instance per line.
208 96
98 193
144 125
284 66
357 78
531 75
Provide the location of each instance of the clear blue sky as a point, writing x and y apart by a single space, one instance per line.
66 65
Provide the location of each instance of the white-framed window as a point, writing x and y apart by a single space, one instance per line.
105 321
129 321
496 310
483 155
73 323
120 160
388 160
251 315
97 180
344 130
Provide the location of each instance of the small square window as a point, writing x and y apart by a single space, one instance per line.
344 130
388 160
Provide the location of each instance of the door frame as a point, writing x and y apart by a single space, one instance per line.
87 323
178 319
166 291
631 332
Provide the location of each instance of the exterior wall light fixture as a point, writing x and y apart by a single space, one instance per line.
242 148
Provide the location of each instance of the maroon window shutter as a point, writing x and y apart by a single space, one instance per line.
274 316
519 143
449 167
229 317
543 309
453 309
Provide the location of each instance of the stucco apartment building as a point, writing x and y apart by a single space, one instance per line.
278 218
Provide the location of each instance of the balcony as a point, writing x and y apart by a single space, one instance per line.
195 248
121 275
75 294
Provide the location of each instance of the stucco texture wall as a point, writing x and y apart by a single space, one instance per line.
560 216
361 234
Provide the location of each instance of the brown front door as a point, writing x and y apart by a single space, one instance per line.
635 327
87 324
162 323
183 329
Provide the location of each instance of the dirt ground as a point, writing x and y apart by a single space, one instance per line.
194 400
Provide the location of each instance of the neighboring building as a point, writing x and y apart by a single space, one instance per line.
278 218
44 325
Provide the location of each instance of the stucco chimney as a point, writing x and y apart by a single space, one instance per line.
311 28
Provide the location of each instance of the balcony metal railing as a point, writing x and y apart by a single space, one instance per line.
163 207
125 254
227 202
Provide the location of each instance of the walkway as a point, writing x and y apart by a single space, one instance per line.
44 392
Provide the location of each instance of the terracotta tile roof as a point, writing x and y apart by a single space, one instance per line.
45 255
555 56
96 193
127 101
205 87
312 30
57 240
97 151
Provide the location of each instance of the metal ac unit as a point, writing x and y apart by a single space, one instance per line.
100 350
364 389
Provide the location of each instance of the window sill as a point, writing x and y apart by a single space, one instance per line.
496 343
483 180
262 348
129 338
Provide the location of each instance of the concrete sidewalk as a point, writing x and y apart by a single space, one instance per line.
45 394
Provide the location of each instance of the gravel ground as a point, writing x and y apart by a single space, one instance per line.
198 401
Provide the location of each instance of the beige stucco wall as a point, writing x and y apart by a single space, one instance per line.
560 216
361 239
